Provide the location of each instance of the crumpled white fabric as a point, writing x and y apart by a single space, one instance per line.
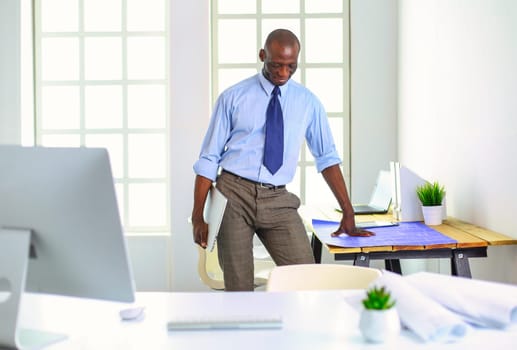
421 314
484 303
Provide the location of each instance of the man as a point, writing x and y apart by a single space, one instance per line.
235 143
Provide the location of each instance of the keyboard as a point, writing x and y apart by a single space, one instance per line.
225 322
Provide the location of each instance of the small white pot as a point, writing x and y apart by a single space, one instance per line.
433 215
378 326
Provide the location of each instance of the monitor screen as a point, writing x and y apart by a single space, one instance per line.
62 201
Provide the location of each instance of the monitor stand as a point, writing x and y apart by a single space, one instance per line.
14 259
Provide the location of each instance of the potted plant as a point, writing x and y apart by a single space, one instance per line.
379 320
431 196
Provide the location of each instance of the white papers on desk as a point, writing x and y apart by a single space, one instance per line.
440 307
486 304
424 316
215 206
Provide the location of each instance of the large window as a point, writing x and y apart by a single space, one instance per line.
239 29
101 80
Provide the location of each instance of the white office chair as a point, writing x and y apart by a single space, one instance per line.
211 274
320 277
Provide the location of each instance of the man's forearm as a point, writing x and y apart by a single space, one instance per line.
336 182
201 188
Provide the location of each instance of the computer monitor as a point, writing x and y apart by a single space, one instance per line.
60 232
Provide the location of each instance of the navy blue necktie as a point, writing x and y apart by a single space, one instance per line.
274 143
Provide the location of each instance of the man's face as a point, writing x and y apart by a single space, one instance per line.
280 62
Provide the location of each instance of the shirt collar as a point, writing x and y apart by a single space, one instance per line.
268 87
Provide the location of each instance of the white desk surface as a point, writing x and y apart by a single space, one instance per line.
312 320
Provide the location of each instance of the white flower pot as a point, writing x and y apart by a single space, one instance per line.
378 326
433 215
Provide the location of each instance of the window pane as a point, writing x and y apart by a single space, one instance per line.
146 15
237 41
284 6
60 140
236 6
324 40
146 106
59 15
103 107
317 191
59 59
103 58
146 155
228 77
60 107
147 204
146 58
327 84
323 6
102 15
114 144
268 25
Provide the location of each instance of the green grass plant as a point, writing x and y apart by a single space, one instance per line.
430 194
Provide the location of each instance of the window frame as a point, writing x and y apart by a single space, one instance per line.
124 182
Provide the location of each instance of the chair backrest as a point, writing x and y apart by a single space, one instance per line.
209 270
320 277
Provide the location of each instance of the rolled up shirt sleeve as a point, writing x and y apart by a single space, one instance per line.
214 142
320 140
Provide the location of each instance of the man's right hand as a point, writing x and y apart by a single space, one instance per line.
199 226
200 232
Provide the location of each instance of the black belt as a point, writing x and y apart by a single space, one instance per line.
259 184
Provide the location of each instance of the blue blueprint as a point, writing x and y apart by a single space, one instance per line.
405 234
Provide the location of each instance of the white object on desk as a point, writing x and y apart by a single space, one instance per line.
132 313
485 303
424 316
311 320
247 321
375 223
406 205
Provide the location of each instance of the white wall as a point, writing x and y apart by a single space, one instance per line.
190 112
373 41
10 71
457 112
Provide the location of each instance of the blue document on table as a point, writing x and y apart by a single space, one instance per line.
405 233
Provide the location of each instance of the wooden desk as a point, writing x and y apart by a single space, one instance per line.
472 242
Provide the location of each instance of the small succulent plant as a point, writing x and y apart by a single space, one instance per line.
378 298
430 194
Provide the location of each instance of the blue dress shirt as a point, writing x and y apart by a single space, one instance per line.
235 137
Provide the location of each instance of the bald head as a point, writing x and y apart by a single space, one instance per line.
283 37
